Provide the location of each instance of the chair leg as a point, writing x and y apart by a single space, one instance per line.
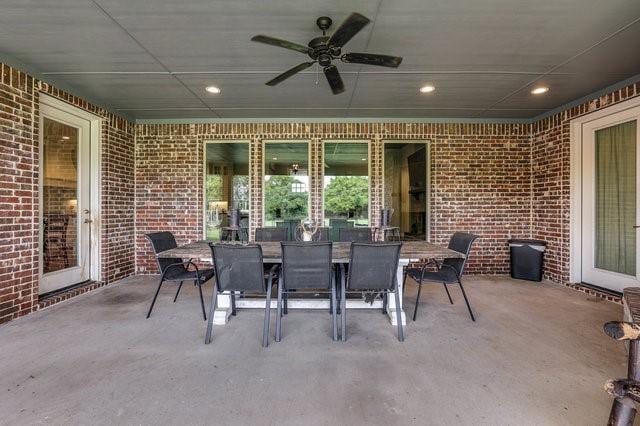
404 283
233 303
279 312
285 299
415 309
343 311
466 300
385 302
155 296
178 292
204 312
214 302
334 311
267 314
448 294
399 316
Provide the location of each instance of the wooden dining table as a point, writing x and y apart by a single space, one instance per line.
411 251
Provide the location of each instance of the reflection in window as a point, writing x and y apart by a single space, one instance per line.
59 196
346 184
226 190
405 188
286 183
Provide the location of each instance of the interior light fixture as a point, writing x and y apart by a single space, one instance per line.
539 90
363 159
275 158
212 89
427 89
66 138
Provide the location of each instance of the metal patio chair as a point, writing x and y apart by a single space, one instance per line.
240 268
275 234
175 269
355 235
449 271
306 267
372 268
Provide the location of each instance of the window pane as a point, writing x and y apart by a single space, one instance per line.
346 185
60 196
616 198
405 188
286 183
227 189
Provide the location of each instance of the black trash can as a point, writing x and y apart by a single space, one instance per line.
526 258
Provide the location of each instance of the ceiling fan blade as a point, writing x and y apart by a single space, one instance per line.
334 79
350 27
281 43
372 59
285 75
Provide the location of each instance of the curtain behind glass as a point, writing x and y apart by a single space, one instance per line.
616 198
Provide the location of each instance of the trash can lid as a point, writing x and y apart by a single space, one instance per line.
527 241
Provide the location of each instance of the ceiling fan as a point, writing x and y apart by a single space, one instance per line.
325 49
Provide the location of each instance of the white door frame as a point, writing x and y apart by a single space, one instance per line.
576 141
95 202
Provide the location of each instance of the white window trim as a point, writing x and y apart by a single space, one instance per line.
309 174
204 178
323 142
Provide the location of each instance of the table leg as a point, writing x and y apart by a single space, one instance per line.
223 309
391 308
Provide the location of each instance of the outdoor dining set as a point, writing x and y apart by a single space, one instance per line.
341 270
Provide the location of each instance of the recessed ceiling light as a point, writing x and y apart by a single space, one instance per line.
539 90
212 89
275 158
66 138
427 89
363 159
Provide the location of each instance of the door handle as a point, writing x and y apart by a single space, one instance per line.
88 221
636 226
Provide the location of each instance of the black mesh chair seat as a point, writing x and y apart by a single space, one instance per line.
175 269
183 274
448 272
240 268
306 266
372 267
445 275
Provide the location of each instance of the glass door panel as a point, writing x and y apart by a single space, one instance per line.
615 198
610 201
60 196
65 175
227 191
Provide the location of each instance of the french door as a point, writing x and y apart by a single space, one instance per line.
611 205
65 185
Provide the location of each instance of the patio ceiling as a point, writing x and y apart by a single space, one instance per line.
153 58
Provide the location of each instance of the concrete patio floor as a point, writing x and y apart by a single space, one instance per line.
536 355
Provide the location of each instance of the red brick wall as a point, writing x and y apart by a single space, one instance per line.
550 145
19 177
481 178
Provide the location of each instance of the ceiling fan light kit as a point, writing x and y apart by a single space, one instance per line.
325 49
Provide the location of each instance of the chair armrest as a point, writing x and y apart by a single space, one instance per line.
621 330
183 264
